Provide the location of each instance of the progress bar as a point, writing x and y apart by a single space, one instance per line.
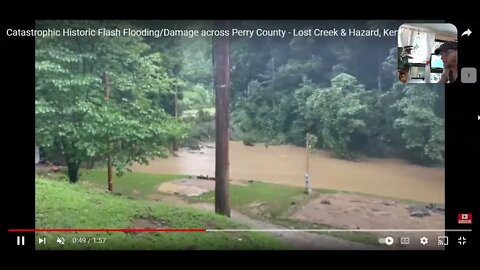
124 230
150 230
338 230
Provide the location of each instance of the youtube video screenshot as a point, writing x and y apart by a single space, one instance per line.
241 135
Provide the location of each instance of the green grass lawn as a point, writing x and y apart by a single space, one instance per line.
134 184
263 200
266 201
64 205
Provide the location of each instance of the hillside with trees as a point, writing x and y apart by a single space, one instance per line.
160 93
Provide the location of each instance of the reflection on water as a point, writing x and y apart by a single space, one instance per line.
286 164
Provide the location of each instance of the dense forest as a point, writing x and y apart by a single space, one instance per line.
342 90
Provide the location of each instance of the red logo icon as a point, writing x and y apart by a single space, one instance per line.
465 218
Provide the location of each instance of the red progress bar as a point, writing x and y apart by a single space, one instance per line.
109 230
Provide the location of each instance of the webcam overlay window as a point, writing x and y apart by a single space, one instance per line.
181 135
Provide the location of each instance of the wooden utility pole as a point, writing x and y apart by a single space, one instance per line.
221 55
106 85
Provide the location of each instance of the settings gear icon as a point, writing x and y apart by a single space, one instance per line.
424 240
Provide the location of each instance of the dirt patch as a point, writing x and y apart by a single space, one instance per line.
149 223
258 209
255 204
187 187
191 187
346 210
352 211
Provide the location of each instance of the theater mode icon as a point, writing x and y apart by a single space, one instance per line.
465 218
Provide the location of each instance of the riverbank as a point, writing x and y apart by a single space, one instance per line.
285 165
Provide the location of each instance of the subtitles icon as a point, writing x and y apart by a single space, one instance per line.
405 240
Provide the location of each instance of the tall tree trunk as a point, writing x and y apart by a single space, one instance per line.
222 83
109 174
73 167
109 158
72 164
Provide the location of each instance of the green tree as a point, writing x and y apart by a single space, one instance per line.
340 110
72 115
422 129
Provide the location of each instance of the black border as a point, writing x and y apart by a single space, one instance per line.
20 119
461 103
461 137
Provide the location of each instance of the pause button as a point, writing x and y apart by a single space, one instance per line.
20 240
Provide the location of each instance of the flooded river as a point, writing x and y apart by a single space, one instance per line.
286 165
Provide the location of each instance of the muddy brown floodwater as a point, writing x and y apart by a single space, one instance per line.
286 165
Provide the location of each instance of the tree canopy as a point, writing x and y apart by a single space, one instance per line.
72 114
